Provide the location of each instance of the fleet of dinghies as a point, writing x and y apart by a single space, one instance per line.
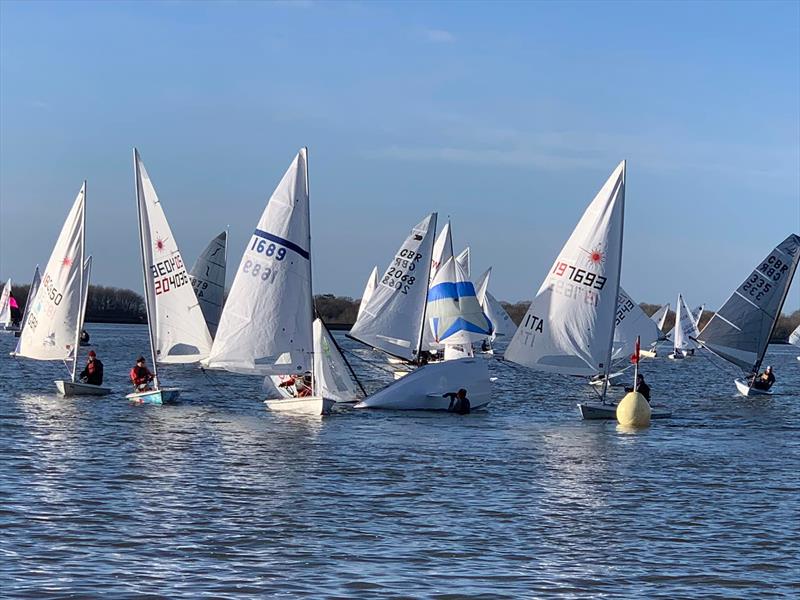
424 315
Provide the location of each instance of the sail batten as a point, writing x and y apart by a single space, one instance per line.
740 330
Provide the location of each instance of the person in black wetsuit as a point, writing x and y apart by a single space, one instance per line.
641 387
765 380
459 403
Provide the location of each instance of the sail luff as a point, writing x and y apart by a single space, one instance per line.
79 319
617 281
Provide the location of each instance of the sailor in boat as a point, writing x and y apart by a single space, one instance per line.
84 340
641 387
141 376
93 372
299 387
459 403
485 346
765 380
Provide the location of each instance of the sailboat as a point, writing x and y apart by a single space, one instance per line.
739 332
794 338
660 317
34 287
7 321
266 326
53 323
502 324
208 280
684 332
393 322
176 328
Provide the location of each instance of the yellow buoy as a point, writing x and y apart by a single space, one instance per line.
633 411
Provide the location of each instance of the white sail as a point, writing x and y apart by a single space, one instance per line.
454 313
265 326
372 283
739 332
34 287
332 376
393 317
631 323
177 328
660 317
696 314
208 280
502 323
51 328
442 250
482 286
5 309
465 262
569 327
794 337
87 275
685 330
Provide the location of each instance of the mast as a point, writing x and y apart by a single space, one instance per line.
425 306
304 152
778 313
79 324
147 307
619 273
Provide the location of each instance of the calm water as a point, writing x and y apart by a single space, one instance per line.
217 497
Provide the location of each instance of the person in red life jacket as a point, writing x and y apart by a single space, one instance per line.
93 373
300 387
141 376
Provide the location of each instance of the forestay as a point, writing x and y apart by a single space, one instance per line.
268 313
393 318
177 328
208 280
5 309
454 313
569 327
631 323
372 283
739 332
51 327
332 376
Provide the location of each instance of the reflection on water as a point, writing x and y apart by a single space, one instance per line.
218 496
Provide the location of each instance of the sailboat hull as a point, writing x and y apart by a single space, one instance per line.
69 388
606 412
423 389
745 390
675 356
162 396
648 353
310 405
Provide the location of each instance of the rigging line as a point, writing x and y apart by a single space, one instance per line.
375 365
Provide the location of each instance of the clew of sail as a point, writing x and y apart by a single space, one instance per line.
177 329
393 318
569 327
208 280
50 327
332 375
372 283
631 323
454 313
266 324
739 332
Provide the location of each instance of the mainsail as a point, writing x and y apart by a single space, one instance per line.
454 313
372 283
208 280
794 337
569 327
178 332
266 324
739 332
660 317
392 320
442 250
685 326
696 314
631 323
53 322
464 261
502 324
332 374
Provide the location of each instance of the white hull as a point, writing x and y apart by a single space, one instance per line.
745 390
310 405
162 396
614 380
604 412
675 356
70 388
423 388
648 353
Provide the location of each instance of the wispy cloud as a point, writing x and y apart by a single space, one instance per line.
438 36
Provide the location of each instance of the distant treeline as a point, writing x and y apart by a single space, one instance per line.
117 305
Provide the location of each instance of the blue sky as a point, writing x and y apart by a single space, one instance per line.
507 117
